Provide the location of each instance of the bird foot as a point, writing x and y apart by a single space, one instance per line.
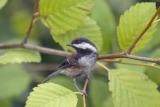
84 92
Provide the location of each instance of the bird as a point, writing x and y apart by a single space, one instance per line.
80 64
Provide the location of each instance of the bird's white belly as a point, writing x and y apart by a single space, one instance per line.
88 63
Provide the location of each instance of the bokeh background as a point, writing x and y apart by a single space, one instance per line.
16 81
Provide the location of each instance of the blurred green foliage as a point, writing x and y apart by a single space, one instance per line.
128 86
2 3
24 56
13 80
129 26
101 11
154 73
96 87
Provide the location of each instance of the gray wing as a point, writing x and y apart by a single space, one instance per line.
64 65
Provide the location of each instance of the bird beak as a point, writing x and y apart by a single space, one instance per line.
69 45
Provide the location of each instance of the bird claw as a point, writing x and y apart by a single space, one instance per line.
84 92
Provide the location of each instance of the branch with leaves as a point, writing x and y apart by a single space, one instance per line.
68 54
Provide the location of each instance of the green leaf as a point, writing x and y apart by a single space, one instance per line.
11 56
133 22
88 30
19 27
51 95
64 81
99 93
13 80
152 0
104 17
2 3
120 6
154 73
67 83
61 16
5 103
155 42
133 89
133 67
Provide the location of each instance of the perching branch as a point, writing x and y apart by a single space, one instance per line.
34 16
143 32
68 54
37 48
84 96
47 50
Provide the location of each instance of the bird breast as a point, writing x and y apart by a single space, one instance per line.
88 62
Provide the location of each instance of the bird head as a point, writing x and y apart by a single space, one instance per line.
83 46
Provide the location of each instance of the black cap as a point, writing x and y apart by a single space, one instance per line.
158 4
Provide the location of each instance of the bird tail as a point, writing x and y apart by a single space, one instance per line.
51 75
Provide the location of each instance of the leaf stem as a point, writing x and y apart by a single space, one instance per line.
129 56
84 96
153 65
103 66
68 54
37 48
34 16
149 24
78 93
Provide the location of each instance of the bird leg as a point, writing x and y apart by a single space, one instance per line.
76 86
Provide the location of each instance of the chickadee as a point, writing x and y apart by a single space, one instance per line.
79 65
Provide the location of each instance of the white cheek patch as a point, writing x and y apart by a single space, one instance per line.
84 45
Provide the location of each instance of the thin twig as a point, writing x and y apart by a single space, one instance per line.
153 65
27 34
68 54
103 66
85 85
47 50
129 56
111 56
8 46
140 58
34 16
37 48
84 96
84 100
79 93
149 24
